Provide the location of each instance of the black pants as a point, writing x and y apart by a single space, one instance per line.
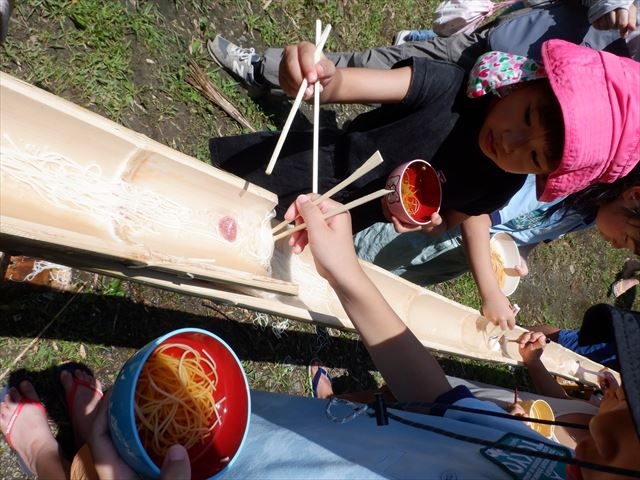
247 156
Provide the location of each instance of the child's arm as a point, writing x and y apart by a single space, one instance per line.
340 85
406 365
610 14
531 346
475 239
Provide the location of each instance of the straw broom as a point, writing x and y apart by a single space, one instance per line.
201 82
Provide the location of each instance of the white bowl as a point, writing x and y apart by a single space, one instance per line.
505 248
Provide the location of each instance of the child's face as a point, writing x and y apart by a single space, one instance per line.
512 134
612 440
614 222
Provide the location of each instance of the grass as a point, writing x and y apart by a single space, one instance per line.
94 41
127 61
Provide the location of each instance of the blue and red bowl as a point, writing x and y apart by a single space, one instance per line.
214 454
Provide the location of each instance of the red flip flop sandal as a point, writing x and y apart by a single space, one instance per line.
7 435
16 412
71 395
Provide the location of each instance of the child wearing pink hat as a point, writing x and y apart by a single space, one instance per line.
572 122
598 94
589 85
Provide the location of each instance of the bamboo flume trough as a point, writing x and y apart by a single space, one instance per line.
83 191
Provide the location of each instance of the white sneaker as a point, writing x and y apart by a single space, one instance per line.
242 62
399 38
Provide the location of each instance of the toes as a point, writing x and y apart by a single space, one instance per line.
85 377
80 375
10 399
67 380
13 398
13 395
27 389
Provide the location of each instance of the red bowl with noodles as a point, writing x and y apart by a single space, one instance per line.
416 192
186 387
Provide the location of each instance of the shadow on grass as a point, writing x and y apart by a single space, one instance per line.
120 323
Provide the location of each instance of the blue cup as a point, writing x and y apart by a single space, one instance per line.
209 457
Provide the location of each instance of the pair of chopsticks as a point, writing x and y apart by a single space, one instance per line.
321 39
336 211
370 164
515 340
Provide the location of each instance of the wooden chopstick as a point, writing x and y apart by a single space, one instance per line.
296 105
316 119
336 211
373 161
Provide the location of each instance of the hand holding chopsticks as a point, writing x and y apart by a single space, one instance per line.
336 211
366 167
296 104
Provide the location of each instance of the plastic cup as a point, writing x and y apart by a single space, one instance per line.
421 182
215 453
540 410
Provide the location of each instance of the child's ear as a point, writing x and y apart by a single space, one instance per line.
632 195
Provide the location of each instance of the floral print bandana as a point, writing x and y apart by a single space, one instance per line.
499 72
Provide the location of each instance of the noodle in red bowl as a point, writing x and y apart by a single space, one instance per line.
185 387
416 192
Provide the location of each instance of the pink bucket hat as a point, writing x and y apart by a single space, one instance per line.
599 94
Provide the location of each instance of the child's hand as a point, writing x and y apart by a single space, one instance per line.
499 311
523 268
298 63
330 239
607 381
621 19
531 346
404 227
397 224
436 227
516 410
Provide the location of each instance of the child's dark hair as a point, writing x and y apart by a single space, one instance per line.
588 201
552 122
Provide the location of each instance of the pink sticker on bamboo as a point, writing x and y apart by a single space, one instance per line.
228 228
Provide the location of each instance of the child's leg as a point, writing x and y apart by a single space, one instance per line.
463 49
247 156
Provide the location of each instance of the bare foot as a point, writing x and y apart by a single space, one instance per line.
324 388
28 431
83 404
